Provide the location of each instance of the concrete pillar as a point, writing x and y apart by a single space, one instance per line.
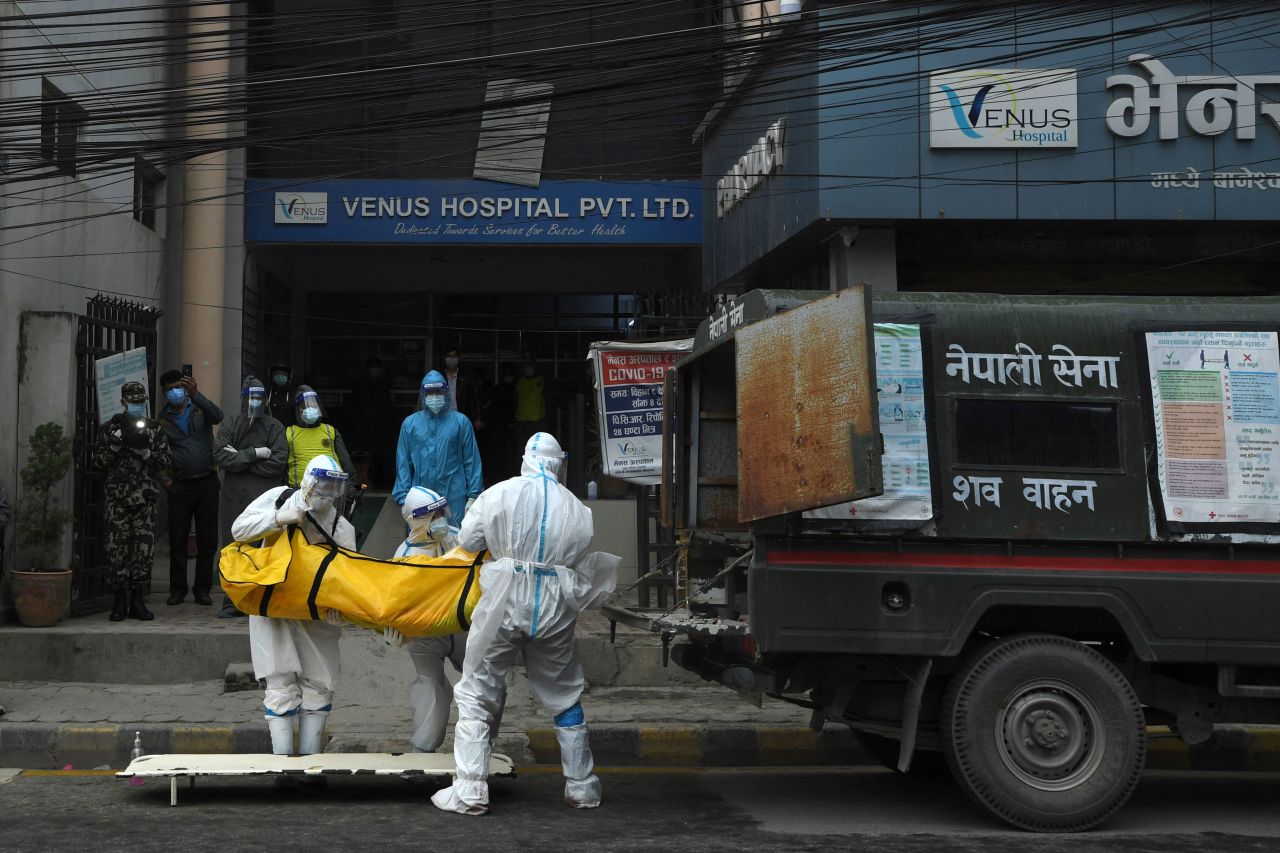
857 255
47 392
204 233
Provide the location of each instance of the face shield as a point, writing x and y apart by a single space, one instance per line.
424 512
325 486
253 401
307 408
434 396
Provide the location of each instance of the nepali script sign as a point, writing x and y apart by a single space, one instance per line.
629 385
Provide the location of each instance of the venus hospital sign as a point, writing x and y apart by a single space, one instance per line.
1036 108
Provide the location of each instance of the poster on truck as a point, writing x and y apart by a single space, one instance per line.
629 394
112 372
900 391
1216 403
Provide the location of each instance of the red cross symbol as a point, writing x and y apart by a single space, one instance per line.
1248 357
1213 515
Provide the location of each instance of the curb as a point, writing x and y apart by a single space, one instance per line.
708 746
40 746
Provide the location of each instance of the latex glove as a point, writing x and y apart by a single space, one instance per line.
263 452
289 514
334 617
393 637
144 452
229 448
467 508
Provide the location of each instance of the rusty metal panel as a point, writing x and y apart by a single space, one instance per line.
808 426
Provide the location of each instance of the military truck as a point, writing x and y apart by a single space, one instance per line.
1017 531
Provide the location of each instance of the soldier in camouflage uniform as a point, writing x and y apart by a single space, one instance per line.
134 452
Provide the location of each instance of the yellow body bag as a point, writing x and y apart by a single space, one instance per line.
287 577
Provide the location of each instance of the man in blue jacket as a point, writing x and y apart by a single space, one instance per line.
437 450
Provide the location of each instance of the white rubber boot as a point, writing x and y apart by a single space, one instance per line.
581 784
281 729
311 731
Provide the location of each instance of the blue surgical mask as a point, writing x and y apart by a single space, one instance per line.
435 403
310 415
175 396
438 529
255 407
135 410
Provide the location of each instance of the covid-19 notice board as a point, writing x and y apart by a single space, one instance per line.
1216 402
629 382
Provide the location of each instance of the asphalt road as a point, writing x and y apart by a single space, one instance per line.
689 812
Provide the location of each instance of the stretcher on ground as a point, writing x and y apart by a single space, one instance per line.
412 765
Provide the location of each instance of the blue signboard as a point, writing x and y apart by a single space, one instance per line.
1168 113
473 212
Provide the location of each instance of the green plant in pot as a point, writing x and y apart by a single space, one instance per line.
42 594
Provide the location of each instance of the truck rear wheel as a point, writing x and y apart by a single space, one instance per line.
1043 732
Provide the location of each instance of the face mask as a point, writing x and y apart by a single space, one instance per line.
175 396
310 415
528 370
435 403
255 407
451 363
136 410
280 379
438 529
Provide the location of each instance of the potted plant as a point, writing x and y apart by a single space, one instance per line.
41 596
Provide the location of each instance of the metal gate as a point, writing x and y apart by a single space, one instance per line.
109 326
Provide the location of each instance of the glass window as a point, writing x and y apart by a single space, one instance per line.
1037 434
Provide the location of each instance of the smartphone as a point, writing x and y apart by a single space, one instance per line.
186 370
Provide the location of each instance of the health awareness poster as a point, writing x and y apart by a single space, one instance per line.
900 388
1217 422
629 381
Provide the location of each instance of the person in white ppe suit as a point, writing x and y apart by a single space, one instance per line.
539 578
426 513
298 658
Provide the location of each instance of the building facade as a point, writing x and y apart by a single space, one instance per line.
1005 147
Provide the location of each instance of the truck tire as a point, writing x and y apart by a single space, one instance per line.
1044 733
924 764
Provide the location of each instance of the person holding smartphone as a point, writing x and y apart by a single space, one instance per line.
188 419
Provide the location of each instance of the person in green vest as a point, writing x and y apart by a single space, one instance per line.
311 437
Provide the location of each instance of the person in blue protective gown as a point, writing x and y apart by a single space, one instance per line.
437 450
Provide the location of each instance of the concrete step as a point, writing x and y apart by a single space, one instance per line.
187 643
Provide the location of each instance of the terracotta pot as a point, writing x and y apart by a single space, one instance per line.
41 598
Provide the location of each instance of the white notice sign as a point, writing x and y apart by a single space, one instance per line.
112 372
1217 421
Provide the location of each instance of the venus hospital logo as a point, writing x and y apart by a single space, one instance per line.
294 208
1003 108
968 115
